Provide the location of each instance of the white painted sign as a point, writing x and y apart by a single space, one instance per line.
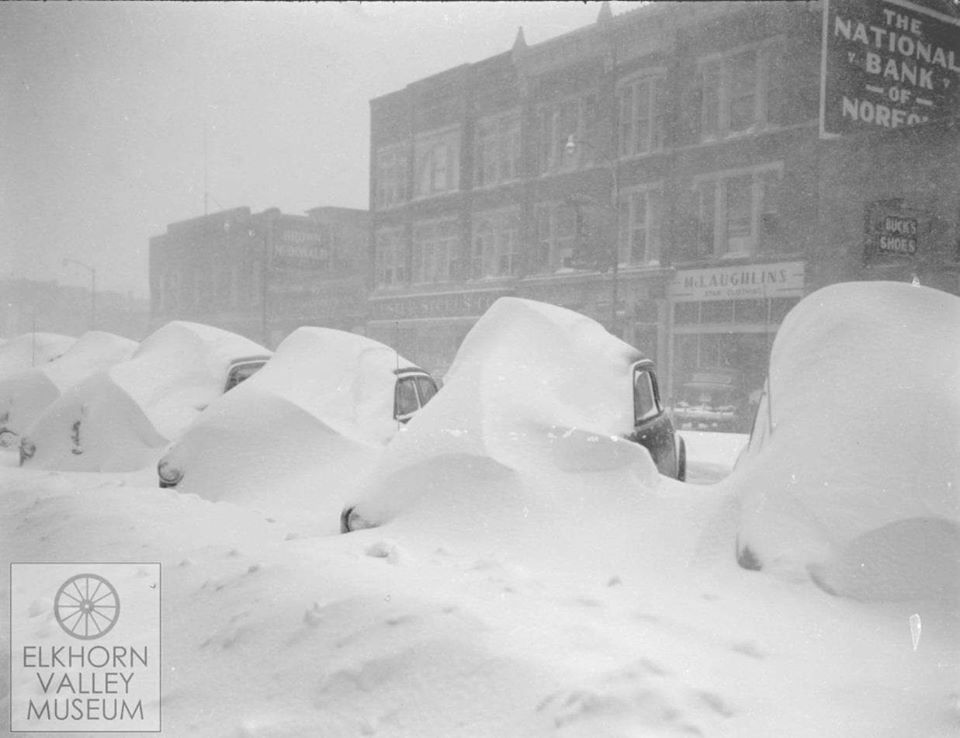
746 282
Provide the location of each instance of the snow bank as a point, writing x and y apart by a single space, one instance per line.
30 350
855 460
119 418
534 388
293 439
345 380
93 351
178 370
24 395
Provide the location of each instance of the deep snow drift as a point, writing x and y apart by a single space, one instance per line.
31 349
532 385
853 473
24 395
516 596
119 418
294 439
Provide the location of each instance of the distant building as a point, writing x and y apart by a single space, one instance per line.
684 137
28 305
262 274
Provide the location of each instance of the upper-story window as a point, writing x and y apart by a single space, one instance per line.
556 237
437 157
639 121
739 211
436 246
639 220
496 244
391 175
390 260
734 89
497 155
576 117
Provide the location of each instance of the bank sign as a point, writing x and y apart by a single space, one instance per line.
887 64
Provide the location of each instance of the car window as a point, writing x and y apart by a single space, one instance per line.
644 396
242 372
427 387
406 402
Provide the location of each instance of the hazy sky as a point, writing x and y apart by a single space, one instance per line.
103 108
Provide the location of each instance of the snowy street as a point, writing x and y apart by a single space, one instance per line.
421 632
480 370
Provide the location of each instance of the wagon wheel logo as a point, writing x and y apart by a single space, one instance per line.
87 606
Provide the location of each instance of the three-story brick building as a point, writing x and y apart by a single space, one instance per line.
660 171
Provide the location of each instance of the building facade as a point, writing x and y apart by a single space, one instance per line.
262 274
661 171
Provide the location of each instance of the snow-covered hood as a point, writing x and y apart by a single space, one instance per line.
119 418
23 396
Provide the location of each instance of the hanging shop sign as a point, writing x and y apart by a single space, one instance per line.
894 232
886 64
751 281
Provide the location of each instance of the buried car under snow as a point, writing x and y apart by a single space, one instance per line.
852 471
532 386
296 435
119 418
23 396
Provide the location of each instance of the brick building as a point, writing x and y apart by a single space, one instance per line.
682 137
262 274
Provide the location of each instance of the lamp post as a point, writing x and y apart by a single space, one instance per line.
93 288
571 147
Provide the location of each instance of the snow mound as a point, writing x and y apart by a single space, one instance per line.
294 438
178 370
93 351
30 350
533 388
855 458
23 396
343 379
119 418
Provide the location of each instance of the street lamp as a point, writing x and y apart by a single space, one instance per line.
571 147
93 289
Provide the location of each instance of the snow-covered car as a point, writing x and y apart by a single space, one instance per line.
23 396
852 471
713 399
297 434
533 388
31 350
120 418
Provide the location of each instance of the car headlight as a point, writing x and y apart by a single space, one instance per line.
170 476
351 520
27 449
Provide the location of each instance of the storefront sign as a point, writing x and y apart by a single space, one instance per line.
898 235
894 232
299 250
887 64
752 281
439 305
